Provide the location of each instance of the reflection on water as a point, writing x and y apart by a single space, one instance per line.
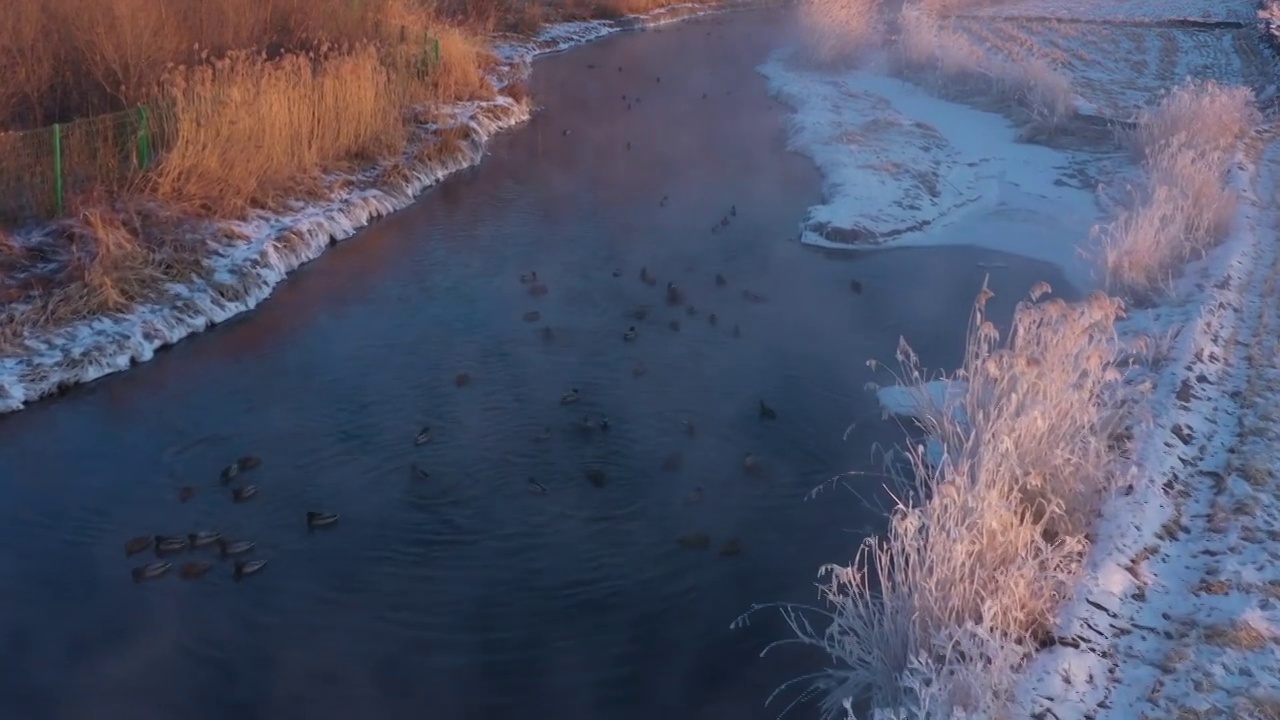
464 595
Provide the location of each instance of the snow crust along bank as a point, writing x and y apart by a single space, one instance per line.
902 167
243 274
1140 11
1176 615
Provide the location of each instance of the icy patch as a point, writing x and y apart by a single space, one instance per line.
929 403
904 168
243 274
1177 613
1140 11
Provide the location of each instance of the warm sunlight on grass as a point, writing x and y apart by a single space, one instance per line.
1186 145
987 538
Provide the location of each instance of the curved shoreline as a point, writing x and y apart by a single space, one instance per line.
240 276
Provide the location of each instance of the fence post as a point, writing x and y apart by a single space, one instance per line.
144 138
57 167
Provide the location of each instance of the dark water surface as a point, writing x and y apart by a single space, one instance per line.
465 595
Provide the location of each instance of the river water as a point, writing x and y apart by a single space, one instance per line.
465 595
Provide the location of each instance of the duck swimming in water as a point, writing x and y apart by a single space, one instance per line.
133 546
245 568
674 296
640 313
538 289
596 477
720 280
630 334
529 277
532 316
713 318
604 423
646 277
674 325
316 518
424 436
547 334
537 487
767 413
694 496
570 397
169 544
689 428
419 473
751 464
617 273
238 547
462 379
640 370
205 537
241 494
150 571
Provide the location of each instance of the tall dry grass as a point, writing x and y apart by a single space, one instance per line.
929 49
841 31
985 543
1186 145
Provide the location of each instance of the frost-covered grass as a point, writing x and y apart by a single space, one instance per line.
840 31
1034 441
1186 145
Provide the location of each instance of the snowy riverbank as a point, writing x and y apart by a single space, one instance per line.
243 273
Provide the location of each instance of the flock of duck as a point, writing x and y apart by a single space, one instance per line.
168 547
675 298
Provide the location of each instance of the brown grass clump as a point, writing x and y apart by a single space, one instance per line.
987 538
245 129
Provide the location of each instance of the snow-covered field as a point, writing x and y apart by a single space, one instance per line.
273 245
1177 611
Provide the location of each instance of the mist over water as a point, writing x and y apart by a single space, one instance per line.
465 595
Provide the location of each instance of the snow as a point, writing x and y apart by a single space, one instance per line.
1177 613
244 274
927 402
1137 11
904 168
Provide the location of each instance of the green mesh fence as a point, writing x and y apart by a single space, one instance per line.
40 169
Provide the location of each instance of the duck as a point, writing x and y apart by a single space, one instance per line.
538 289
733 210
544 435
695 541
424 436
663 201
245 568
185 493
674 296
737 331
713 319
237 547
640 313
248 462
150 571
315 518
547 334
731 547
640 370
691 311
570 397
419 473
462 379
529 277
603 424
194 569
596 477
169 544
750 463
142 543
674 325
646 277
617 272
672 462
766 412
241 494
587 423
532 316
724 221
630 334
689 428
856 287
694 496
755 297
229 473
537 487
720 280
204 537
